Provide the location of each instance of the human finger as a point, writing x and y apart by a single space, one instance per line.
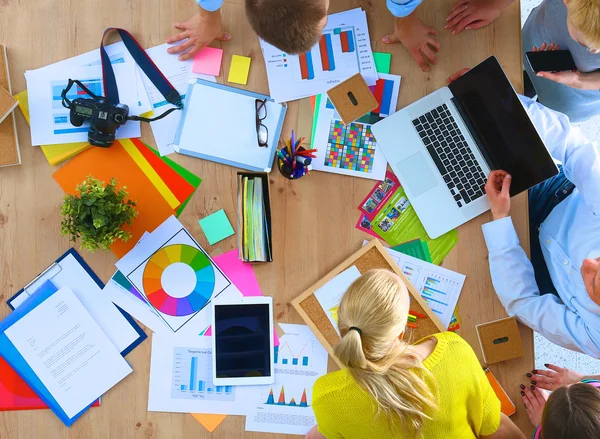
181 47
432 31
477 24
554 368
178 37
181 25
459 4
457 75
506 184
551 46
464 23
390 39
190 53
429 53
224 37
539 397
433 43
556 77
535 49
416 54
544 373
457 18
543 47
457 10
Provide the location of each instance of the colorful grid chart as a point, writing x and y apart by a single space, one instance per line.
350 147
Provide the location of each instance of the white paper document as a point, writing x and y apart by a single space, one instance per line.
178 73
181 379
286 406
330 295
176 277
343 51
69 273
50 122
122 293
439 286
68 351
352 149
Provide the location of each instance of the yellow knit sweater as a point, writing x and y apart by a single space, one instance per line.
468 406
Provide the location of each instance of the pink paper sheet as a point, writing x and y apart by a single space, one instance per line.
243 277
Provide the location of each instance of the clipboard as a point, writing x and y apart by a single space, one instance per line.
53 272
219 124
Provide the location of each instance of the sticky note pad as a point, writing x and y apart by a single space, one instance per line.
383 62
238 72
216 227
208 61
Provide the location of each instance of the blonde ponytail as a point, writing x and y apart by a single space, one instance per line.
371 317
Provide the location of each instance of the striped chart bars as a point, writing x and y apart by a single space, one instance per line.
383 90
326 51
346 39
306 66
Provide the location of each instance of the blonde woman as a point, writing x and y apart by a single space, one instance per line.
435 389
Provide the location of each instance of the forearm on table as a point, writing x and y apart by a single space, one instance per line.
590 80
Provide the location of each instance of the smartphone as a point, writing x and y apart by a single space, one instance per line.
551 61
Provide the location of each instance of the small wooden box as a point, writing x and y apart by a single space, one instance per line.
500 340
352 98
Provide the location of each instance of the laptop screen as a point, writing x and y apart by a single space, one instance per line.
500 125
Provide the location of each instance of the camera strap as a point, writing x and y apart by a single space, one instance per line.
111 92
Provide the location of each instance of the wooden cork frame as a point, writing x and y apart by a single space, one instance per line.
371 256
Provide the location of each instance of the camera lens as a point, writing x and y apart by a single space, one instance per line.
118 118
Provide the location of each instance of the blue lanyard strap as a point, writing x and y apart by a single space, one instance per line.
111 92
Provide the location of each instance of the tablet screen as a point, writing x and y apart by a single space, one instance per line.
242 341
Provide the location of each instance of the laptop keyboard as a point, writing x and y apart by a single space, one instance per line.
451 154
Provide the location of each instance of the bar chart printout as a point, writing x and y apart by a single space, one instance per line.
192 376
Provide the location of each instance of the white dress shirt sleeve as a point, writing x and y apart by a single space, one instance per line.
567 144
514 282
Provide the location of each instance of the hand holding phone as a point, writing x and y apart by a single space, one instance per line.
551 61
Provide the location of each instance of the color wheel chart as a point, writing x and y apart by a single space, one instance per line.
334 56
192 372
178 280
164 299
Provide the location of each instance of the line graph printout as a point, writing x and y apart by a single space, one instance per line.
286 405
343 50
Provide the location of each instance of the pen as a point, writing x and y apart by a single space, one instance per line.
293 144
283 157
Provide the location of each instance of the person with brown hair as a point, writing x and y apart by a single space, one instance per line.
433 389
571 411
295 26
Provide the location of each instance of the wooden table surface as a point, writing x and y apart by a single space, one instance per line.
313 219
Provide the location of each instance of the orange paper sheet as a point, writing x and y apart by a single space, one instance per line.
210 422
104 163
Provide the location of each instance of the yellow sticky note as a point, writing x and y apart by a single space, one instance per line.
238 72
210 422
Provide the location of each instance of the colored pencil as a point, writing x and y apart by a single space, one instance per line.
417 314
411 325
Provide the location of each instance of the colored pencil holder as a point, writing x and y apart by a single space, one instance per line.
286 170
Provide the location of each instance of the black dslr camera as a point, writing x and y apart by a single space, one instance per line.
104 116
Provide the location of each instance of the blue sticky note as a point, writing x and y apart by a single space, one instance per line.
216 227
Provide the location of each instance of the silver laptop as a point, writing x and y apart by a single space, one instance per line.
443 147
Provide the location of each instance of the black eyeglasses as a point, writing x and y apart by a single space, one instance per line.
262 132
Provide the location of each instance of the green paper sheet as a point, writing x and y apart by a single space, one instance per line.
415 248
397 222
188 176
383 62
216 227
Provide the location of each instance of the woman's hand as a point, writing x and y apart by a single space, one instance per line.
554 378
474 14
534 401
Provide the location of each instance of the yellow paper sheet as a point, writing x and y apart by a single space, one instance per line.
58 153
210 422
152 175
238 72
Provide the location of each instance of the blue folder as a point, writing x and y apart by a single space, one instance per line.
13 357
95 278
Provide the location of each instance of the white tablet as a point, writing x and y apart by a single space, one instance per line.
243 342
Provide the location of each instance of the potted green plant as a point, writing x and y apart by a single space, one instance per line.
97 214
